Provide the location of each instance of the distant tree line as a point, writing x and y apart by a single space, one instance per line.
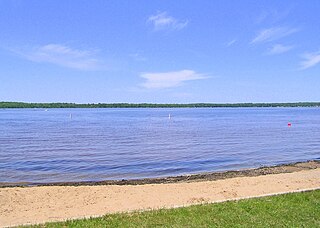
149 105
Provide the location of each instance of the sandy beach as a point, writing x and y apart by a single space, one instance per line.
32 205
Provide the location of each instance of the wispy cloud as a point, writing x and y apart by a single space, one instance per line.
310 60
272 34
231 42
169 79
163 21
61 55
137 56
279 49
273 15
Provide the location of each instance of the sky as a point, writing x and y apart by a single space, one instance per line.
217 51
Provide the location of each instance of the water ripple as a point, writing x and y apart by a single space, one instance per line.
97 144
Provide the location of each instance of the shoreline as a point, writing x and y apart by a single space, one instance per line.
6 104
40 204
205 176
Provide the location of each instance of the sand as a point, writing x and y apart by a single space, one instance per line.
32 205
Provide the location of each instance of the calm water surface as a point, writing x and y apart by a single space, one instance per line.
96 144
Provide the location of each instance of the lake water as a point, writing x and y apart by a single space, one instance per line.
98 144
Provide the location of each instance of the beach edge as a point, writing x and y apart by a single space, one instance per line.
205 176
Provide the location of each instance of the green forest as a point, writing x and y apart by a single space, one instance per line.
150 105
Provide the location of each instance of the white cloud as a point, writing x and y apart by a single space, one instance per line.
169 79
271 34
279 49
231 42
63 56
162 21
138 57
310 60
273 15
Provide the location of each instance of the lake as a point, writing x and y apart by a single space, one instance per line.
38 145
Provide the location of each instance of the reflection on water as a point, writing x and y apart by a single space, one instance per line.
97 144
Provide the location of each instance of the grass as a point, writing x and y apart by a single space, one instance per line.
289 210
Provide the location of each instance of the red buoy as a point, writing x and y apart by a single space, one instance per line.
289 124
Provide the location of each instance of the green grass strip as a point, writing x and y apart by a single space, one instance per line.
288 210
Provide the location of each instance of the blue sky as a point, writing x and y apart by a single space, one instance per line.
159 51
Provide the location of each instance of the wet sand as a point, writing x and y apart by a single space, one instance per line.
209 176
39 204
